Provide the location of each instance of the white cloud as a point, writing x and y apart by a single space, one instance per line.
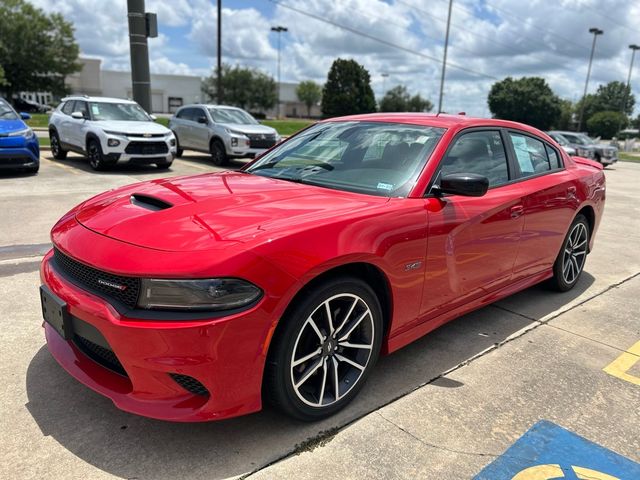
497 37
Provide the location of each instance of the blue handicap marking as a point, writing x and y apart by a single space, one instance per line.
549 452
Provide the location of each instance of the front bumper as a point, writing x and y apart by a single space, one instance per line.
225 355
134 150
16 152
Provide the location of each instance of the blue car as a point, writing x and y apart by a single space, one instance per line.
19 148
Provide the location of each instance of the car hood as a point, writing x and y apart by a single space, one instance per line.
200 212
131 127
9 126
249 128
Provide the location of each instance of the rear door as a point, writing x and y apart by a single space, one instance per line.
472 241
181 126
549 199
65 125
200 131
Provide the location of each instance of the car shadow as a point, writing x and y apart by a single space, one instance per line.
81 163
16 174
125 445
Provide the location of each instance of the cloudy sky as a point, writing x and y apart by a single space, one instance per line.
489 40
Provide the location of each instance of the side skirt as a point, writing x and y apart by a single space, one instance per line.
402 339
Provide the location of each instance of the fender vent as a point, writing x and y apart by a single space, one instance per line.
150 203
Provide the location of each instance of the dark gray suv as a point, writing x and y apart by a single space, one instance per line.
587 147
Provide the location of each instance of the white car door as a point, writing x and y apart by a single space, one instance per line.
64 125
78 125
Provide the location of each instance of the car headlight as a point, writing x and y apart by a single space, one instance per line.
113 142
172 141
209 294
27 133
583 152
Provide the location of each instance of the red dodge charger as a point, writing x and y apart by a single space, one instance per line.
198 298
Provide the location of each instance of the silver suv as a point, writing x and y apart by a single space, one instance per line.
223 132
109 131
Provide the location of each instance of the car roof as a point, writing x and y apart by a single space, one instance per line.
97 99
441 120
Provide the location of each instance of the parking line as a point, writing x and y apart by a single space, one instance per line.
621 365
65 167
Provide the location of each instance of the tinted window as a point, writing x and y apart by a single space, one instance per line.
554 158
197 114
183 114
530 154
6 111
383 159
232 115
68 107
81 107
478 152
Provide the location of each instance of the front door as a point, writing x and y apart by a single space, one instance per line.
472 242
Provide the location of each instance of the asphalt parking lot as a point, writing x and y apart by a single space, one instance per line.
446 407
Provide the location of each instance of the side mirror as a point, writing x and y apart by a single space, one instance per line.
203 120
77 115
466 184
153 117
25 116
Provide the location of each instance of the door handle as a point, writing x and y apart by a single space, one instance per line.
517 211
571 193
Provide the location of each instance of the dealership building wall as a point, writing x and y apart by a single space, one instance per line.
168 92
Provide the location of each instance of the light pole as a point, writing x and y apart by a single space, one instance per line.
633 48
596 32
219 93
384 82
444 57
141 26
279 29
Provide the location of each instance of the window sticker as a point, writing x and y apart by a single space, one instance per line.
95 109
385 186
522 153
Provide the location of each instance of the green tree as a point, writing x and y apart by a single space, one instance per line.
398 99
309 93
347 90
528 100
606 124
565 120
608 98
246 88
2 80
37 51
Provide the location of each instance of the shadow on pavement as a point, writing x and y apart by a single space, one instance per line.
90 427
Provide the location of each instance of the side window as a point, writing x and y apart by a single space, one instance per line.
198 113
68 107
478 152
82 107
554 158
532 155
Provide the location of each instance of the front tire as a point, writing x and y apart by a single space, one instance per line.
56 148
570 261
96 158
325 349
218 153
164 166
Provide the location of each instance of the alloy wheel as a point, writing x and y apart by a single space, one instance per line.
332 350
94 156
575 253
55 145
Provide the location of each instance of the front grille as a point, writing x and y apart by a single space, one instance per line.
190 384
146 135
99 354
146 148
261 141
104 283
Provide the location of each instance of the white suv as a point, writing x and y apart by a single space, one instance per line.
109 131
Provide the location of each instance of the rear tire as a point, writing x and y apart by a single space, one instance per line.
570 261
164 166
218 153
316 366
56 148
179 151
95 156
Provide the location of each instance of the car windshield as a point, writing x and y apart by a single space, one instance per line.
232 115
560 139
129 112
578 138
6 112
375 158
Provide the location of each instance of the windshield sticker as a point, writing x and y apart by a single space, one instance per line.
385 186
95 109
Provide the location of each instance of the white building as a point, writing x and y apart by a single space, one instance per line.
168 92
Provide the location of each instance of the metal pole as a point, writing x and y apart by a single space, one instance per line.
219 92
596 32
279 29
626 91
444 58
140 75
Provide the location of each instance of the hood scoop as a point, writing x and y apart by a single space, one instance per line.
150 203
